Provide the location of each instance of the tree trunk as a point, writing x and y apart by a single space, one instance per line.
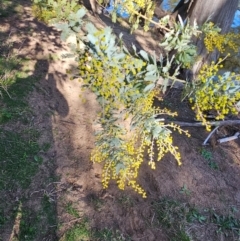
181 9
220 12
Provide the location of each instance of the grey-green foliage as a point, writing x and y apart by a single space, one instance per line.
73 25
179 40
58 6
70 21
155 69
131 76
115 54
68 16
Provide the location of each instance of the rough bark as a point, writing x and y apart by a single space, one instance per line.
181 9
93 6
221 12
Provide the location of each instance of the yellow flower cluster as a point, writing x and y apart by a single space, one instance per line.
216 93
221 42
101 79
137 188
130 152
214 40
105 77
131 5
140 10
145 104
121 150
130 157
165 145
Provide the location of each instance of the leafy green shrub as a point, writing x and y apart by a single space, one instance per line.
126 84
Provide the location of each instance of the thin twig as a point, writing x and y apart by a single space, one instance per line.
72 221
176 79
151 21
152 218
68 122
211 133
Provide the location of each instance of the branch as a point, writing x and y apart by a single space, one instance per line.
212 132
148 19
199 124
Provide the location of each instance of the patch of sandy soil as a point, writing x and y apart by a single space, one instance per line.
66 121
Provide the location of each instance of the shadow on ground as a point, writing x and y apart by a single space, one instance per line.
28 179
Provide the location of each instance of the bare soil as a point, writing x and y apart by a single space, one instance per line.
67 122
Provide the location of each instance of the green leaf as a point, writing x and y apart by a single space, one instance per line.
92 38
144 55
108 34
165 84
149 87
151 67
181 21
156 131
116 142
151 78
165 69
119 167
36 158
120 35
111 44
80 13
134 48
91 28
119 56
126 50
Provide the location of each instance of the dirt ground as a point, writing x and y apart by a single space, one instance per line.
208 179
